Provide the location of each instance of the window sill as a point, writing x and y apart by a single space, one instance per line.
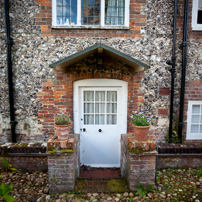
197 28
194 136
90 27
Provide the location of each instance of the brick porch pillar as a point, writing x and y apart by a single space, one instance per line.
63 164
138 161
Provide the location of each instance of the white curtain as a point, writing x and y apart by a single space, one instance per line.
114 12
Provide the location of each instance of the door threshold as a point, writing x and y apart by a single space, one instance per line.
93 172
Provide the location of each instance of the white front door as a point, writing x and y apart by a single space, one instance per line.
101 124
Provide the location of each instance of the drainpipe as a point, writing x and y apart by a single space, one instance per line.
184 62
172 70
9 66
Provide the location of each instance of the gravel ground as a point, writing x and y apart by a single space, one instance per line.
172 185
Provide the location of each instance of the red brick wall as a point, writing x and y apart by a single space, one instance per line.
193 92
58 95
137 20
180 22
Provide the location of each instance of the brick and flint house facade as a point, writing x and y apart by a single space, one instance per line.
44 32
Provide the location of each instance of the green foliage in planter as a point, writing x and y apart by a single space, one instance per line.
4 191
140 119
142 191
62 119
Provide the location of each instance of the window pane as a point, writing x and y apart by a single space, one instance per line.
99 108
88 108
121 21
74 11
195 119
121 12
121 3
195 109
194 128
74 2
113 10
66 2
99 119
112 108
89 96
100 96
200 128
88 119
59 11
199 19
114 3
111 96
67 9
59 2
66 20
59 20
111 119
90 12
73 21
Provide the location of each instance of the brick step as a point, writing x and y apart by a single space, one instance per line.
101 173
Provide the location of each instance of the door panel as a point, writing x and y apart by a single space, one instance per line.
100 129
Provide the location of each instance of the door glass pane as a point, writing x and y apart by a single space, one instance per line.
100 108
88 119
194 128
100 96
99 119
88 95
112 108
111 119
88 108
111 96
195 119
195 109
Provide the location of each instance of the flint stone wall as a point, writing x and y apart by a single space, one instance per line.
32 53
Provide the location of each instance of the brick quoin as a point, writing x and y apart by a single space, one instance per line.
57 96
136 22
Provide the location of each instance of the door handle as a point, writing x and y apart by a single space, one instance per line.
100 130
84 130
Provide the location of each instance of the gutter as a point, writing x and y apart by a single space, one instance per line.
184 63
10 74
172 70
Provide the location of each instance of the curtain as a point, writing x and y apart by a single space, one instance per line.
114 12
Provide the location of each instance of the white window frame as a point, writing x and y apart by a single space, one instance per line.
195 25
192 136
79 26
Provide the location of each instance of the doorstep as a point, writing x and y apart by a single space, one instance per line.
89 172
